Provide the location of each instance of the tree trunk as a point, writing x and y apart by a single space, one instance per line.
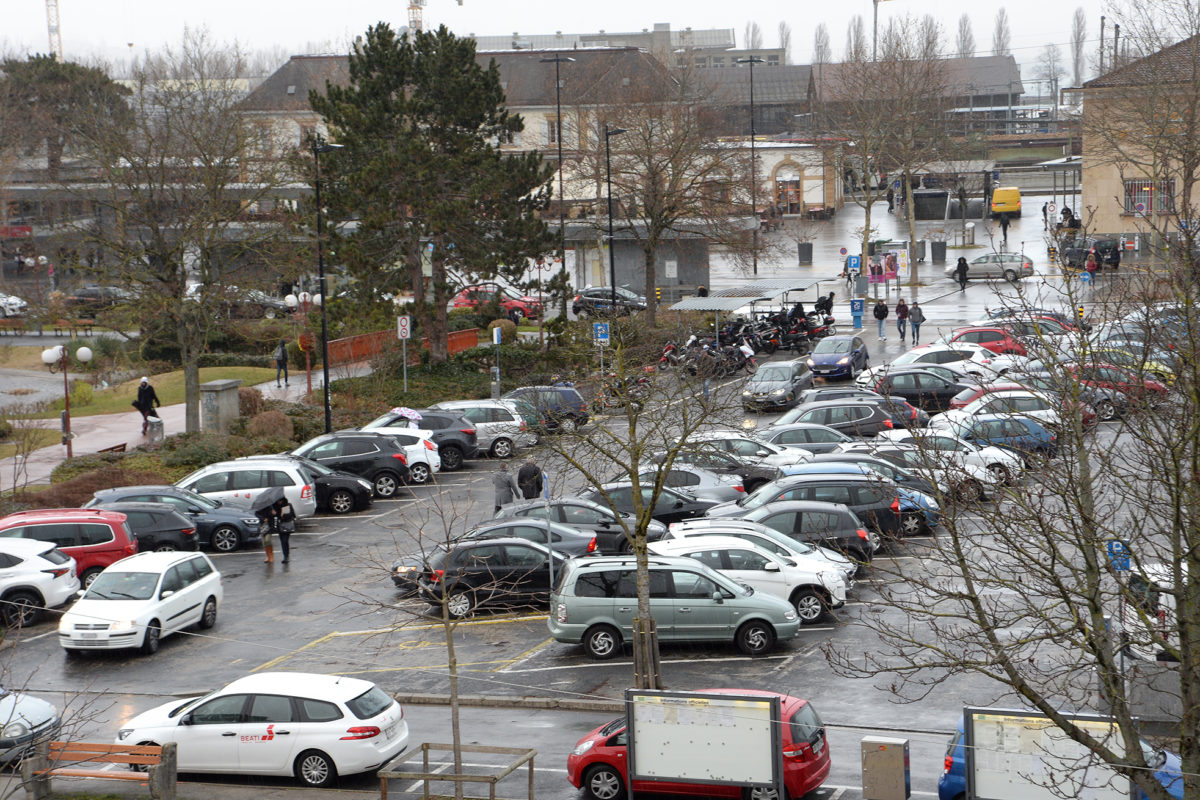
436 331
645 640
650 252
912 230
864 264
189 358
452 672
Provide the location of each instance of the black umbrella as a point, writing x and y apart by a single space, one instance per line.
268 498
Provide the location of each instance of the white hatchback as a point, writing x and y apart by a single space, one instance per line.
811 590
34 575
315 727
140 599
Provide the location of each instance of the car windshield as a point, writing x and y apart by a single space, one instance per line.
763 494
833 346
772 373
388 419
371 703
200 499
123 586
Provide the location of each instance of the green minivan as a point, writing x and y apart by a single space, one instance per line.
594 602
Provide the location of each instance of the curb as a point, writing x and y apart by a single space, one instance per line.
497 701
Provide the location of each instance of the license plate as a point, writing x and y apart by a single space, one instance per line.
819 745
389 732
89 636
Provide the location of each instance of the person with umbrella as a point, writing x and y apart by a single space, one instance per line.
269 508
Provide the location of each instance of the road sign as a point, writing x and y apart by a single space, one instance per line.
404 327
600 333
1139 207
1052 208
1085 276
1118 554
843 251
856 307
854 262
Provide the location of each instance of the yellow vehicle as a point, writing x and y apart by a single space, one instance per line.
1006 200
1144 365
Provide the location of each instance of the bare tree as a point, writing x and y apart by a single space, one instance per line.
785 41
964 45
754 36
822 52
856 39
1050 69
1001 35
1078 43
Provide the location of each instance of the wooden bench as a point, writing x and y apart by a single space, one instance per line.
73 326
17 326
149 764
116 448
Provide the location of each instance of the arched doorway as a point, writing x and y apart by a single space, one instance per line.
789 188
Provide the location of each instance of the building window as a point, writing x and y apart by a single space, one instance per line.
701 62
1146 197
553 132
718 62
772 61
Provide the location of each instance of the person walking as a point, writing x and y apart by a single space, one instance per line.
891 198
881 315
147 401
529 479
902 318
915 317
960 272
1004 227
281 358
285 523
506 488
1091 265
1045 216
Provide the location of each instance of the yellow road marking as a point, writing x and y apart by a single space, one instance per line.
528 653
280 659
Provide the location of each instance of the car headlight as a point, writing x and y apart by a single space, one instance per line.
122 625
811 363
844 361
365 484
15 730
250 521
124 733
403 569
746 393
789 615
583 747
779 392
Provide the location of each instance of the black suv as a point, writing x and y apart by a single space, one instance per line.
597 301
922 389
375 456
1075 252
454 436
873 498
505 572
157 526
559 408
222 526
853 417
826 524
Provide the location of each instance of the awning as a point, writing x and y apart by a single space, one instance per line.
714 303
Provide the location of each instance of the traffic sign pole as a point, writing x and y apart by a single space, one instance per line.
404 331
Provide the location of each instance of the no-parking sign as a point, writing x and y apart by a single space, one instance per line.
404 327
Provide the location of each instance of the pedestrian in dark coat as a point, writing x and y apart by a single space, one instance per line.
960 272
1045 216
281 358
891 198
881 315
915 317
146 402
529 479
506 488
1004 226
902 318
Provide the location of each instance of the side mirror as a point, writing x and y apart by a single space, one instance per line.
186 719
718 598
166 593
762 453
771 567
678 504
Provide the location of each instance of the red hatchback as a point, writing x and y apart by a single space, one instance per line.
997 339
1108 376
597 764
514 305
93 537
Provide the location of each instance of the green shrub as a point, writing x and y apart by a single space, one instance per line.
200 451
461 319
6 430
272 425
307 421
235 360
250 401
80 465
508 330
81 393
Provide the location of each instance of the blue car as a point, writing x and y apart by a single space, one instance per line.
1025 436
953 783
839 357
919 512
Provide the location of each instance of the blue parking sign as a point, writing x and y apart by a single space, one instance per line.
856 307
853 262
1118 554
600 333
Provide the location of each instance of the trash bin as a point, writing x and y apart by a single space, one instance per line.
938 250
154 430
804 252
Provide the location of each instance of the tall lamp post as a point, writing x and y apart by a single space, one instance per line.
57 359
875 29
752 60
558 137
303 304
612 261
320 146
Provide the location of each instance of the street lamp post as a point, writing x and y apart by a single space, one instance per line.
57 358
752 60
612 262
558 137
303 304
875 29
319 146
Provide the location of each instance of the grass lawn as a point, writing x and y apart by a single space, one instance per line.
168 386
21 356
41 438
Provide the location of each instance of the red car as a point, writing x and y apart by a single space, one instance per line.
597 764
1119 379
514 305
93 537
972 393
998 339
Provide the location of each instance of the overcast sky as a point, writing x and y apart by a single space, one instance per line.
110 30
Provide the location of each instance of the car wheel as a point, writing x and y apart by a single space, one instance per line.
603 782
969 491
502 448
810 606
165 547
1000 472
602 642
270 313
386 484
762 793
1105 410
341 501
151 638
567 425
452 458
89 575
209 617
22 609
459 604
226 539
911 523
1010 275
755 638
315 769
419 473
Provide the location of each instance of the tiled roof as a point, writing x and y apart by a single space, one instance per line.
287 88
772 85
1178 63
975 76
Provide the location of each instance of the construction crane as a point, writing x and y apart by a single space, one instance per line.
415 23
52 29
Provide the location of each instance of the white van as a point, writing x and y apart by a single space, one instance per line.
1150 628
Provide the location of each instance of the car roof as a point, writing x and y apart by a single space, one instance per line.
337 688
24 547
38 515
454 405
151 560
165 488
842 401
801 505
459 544
509 522
858 477
140 505
717 542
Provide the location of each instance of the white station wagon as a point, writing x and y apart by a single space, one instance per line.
315 727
